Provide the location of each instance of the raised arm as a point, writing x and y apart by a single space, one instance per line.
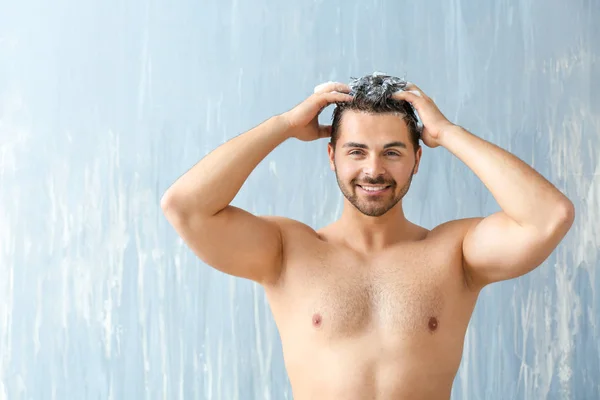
225 237
535 215
534 219
228 238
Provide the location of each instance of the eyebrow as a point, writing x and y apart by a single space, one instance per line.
364 146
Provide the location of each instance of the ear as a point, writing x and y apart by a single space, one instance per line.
418 155
331 153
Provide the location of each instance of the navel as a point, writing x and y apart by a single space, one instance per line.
317 319
433 324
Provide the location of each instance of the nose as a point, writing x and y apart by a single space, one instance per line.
373 167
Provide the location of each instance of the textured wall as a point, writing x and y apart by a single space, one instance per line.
104 104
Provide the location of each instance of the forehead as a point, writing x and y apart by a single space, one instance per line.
373 128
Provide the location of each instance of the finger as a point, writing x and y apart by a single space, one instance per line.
332 87
411 87
410 96
325 99
416 93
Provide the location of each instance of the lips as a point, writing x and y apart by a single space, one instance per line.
374 186
371 191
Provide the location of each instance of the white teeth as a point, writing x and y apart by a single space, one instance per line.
373 188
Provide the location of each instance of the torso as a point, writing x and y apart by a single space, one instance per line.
389 326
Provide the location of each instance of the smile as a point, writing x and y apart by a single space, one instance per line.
373 189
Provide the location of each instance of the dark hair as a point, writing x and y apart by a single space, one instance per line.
372 94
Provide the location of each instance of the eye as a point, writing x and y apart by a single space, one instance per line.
358 152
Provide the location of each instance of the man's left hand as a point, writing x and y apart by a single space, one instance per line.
434 122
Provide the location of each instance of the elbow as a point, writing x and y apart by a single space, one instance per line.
166 201
565 216
567 213
178 208
170 206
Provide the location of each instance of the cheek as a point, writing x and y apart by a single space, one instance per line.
403 173
346 173
405 167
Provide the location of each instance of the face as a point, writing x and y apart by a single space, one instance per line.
374 161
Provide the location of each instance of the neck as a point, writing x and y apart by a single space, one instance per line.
372 234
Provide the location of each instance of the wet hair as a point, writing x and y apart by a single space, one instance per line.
372 94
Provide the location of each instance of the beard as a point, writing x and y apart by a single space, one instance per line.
379 204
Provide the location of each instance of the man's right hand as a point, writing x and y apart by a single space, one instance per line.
303 120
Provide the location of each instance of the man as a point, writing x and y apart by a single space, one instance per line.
371 306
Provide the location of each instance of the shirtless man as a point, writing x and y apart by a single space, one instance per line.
371 306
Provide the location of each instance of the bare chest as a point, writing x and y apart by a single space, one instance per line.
407 291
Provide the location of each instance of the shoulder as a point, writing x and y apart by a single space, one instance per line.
454 229
449 236
291 228
289 224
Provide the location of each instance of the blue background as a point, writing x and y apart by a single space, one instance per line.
103 104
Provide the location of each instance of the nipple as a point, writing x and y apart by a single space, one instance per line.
316 320
433 324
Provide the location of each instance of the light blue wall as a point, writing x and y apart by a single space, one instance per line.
104 104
